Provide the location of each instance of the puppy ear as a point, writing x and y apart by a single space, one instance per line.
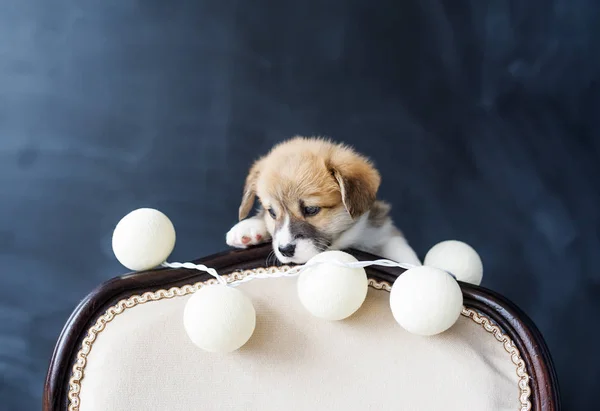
358 181
250 190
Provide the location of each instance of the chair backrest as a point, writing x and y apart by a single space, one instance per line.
491 328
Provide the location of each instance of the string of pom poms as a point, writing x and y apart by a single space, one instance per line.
292 272
424 300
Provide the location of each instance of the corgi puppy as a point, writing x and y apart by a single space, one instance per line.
316 195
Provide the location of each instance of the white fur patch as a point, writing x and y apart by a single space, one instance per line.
356 234
305 250
283 236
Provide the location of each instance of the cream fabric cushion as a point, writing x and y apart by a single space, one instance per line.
143 360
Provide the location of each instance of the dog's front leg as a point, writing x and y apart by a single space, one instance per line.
397 249
250 231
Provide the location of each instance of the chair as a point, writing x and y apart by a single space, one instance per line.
124 348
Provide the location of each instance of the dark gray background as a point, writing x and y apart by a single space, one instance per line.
482 116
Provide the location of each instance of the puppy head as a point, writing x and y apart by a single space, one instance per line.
312 191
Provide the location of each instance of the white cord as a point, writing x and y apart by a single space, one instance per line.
293 272
199 267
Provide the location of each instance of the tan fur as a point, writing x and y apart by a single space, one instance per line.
316 171
249 195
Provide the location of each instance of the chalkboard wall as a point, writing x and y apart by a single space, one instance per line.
482 116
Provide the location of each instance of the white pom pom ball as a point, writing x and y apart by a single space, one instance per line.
457 258
218 318
426 300
143 239
330 291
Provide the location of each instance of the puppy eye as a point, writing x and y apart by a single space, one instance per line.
272 213
311 211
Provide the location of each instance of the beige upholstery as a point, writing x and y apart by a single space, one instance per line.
143 360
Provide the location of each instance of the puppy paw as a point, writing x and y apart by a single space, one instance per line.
248 232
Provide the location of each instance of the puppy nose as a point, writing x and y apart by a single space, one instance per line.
288 250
